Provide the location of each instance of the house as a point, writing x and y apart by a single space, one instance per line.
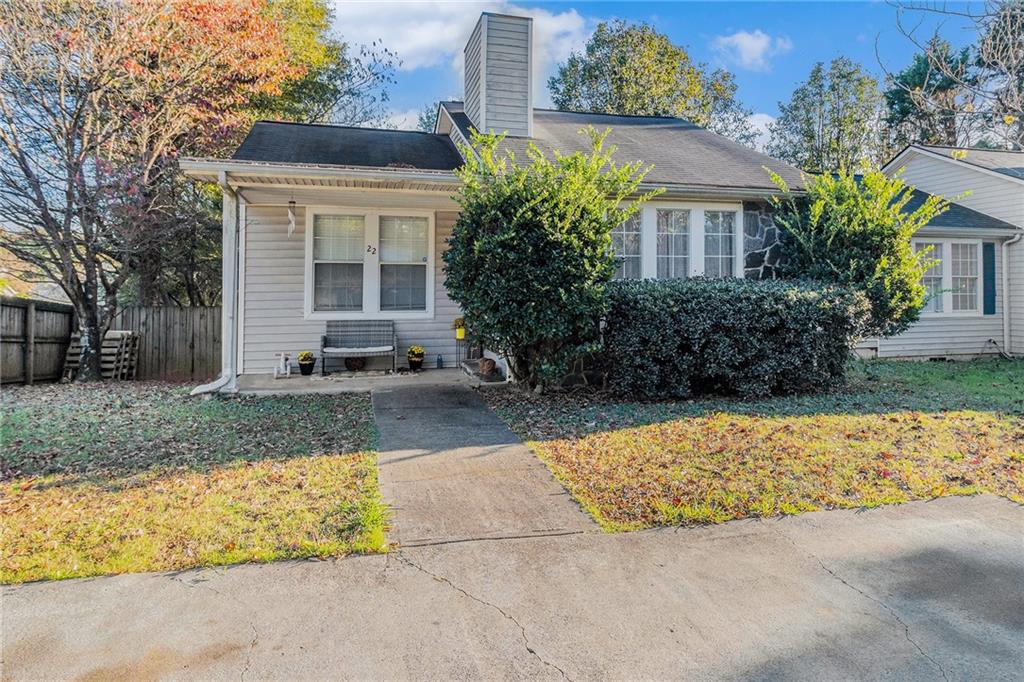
978 302
334 223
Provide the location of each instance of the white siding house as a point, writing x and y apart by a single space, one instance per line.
991 183
330 224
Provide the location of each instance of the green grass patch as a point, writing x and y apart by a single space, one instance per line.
898 432
113 478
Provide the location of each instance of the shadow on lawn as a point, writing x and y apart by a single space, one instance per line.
118 434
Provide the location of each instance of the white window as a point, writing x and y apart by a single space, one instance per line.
964 271
954 282
932 278
338 262
673 243
403 262
719 243
626 246
368 264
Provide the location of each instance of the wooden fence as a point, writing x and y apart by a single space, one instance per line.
177 344
34 336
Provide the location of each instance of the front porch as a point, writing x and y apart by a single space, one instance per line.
350 382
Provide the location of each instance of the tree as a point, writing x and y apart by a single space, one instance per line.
427 118
93 96
992 84
323 83
924 103
635 70
831 121
530 256
854 230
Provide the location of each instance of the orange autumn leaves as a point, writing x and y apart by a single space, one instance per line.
200 62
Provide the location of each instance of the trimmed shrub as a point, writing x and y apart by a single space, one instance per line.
530 256
679 338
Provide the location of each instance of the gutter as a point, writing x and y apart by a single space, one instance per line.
210 168
229 294
1006 292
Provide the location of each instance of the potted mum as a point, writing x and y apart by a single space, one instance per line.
415 357
306 362
459 325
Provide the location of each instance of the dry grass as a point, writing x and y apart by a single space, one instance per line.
114 478
899 432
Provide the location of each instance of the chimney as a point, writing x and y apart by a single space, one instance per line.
498 84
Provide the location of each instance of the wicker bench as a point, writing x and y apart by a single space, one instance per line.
359 339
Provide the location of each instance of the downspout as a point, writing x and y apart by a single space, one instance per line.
1006 292
226 382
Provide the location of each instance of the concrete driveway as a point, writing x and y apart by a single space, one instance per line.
920 591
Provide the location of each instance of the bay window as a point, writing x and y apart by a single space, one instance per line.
363 264
678 239
954 281
673 243
719 243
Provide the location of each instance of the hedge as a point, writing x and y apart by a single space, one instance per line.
679 338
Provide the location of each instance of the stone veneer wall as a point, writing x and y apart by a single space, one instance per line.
761 244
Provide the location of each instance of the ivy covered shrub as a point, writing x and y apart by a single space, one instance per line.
530 256
751 338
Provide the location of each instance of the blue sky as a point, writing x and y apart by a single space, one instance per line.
769 46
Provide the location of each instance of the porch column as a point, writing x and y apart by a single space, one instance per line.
229 283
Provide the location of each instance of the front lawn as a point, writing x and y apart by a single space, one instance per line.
900 431
128 476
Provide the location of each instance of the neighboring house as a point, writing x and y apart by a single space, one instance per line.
334 223
979 243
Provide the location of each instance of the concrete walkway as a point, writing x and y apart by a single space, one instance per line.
922 591
453 472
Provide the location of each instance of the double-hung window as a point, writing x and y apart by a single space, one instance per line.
368 264
932 278
403 262
964 274
626 246
338 262
954 280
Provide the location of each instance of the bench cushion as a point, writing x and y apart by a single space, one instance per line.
367 350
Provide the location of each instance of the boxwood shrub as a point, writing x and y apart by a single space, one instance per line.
678 338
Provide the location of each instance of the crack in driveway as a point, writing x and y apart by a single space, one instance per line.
888 609
507 615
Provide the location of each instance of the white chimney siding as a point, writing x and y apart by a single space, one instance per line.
498 83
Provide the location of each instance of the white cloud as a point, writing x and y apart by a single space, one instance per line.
751 50
430 34
760 122
404 120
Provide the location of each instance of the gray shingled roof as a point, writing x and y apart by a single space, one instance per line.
279 142
998 160
958 216
682 153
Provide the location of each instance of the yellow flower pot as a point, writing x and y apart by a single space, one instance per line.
460 333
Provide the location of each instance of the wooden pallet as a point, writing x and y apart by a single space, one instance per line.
118 356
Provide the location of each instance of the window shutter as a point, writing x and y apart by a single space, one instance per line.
988 277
